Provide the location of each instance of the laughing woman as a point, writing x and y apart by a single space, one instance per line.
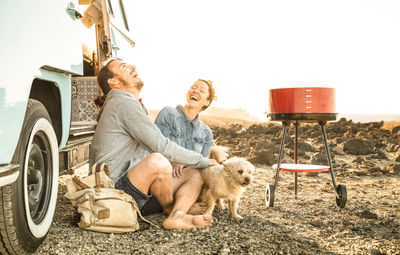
182 124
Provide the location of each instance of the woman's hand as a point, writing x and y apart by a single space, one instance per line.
177 170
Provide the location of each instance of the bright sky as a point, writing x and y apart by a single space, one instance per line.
248 47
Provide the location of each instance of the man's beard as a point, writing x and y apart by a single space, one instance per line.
138 85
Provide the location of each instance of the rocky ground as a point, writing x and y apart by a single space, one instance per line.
366 158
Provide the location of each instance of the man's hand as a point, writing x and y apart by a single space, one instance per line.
213 162
177 170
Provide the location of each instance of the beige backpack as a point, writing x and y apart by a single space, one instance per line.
103 208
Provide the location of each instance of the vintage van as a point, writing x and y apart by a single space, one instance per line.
47 117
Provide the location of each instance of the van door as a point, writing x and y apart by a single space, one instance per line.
121 39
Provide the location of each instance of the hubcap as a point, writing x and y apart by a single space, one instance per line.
35 181
38 177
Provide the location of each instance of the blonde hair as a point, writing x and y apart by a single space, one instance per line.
211 93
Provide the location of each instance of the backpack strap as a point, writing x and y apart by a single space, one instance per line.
97 169
136 208
80 183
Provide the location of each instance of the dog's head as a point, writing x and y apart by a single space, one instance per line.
240 170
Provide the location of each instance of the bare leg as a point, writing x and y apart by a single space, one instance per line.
187 189
154 173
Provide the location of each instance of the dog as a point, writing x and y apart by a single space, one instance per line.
226 181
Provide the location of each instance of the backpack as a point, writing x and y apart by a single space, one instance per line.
102 207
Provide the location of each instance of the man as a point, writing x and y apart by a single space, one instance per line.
139 155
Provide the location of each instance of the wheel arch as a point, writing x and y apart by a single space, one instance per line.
48 93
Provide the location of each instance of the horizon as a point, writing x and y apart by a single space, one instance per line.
243 114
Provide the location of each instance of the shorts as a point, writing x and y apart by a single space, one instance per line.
148 204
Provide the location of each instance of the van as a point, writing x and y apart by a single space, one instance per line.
47 115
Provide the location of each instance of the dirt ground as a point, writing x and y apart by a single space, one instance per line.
310 224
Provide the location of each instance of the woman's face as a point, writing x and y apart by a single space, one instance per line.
197 95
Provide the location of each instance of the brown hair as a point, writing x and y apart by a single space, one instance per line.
211 93
105 73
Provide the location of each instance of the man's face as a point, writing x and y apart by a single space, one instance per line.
126 74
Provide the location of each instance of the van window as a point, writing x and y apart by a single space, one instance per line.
116 9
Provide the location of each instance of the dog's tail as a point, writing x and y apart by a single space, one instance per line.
219 153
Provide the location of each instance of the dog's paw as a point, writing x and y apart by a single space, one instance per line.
237 217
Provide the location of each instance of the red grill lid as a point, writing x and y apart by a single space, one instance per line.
302 100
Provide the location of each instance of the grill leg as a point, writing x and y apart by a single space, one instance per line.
322 124
280 153
295 156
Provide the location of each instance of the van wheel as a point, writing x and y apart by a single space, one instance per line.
27 206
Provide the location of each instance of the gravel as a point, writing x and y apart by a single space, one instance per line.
310 224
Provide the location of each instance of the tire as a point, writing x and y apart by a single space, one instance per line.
27 206
341 200
269 195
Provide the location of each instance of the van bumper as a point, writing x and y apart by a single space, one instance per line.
8 174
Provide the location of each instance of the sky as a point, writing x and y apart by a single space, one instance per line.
248 47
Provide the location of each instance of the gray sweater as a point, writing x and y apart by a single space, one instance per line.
125 135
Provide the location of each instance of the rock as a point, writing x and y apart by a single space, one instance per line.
396 169
398 159
340 139
358 160
376 252
362 134
264 144
257 129
303 146
315 134
366 214
379 155
316 223
262 157
338 150
274 130
375 170
357 146
395 129
319 159
391 145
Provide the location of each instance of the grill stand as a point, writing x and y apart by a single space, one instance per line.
341 193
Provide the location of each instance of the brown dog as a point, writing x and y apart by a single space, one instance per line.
227 181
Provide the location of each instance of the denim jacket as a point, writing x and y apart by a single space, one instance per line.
192 135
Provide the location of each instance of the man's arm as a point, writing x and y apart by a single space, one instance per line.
141 128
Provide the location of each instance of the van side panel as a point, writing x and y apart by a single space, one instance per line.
34 34
63 82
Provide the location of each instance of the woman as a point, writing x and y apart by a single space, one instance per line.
182 124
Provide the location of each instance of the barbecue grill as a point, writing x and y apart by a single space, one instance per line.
297 105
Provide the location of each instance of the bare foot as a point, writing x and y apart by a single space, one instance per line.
198 208
179 220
